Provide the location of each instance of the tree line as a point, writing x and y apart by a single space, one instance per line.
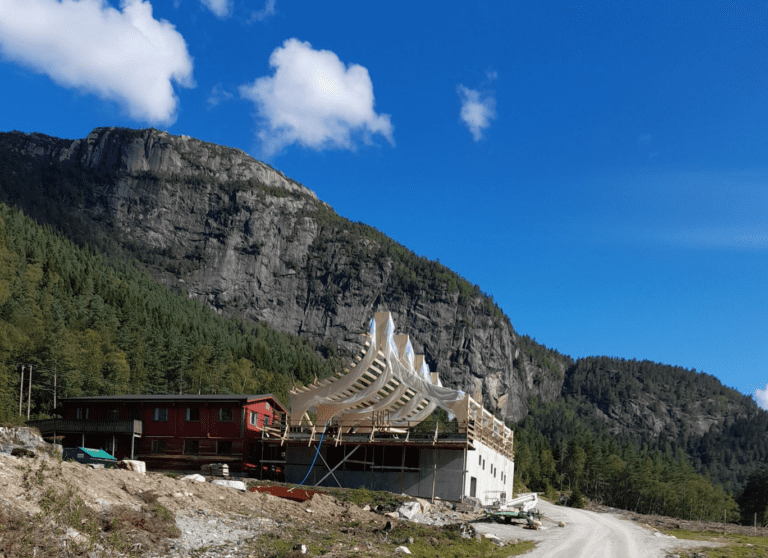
556 449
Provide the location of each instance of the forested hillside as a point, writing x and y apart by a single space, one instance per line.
669 408
111 329
556 449
648 437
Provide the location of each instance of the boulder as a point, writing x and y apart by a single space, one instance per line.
409 510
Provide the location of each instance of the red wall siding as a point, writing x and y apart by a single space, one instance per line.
176 428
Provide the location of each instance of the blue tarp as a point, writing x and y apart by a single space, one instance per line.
89 455
99 453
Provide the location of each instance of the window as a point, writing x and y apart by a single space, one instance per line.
161 414
225 415
254 419
479 459
193 414
158 446
81 413
224 447
191 447
266 420
112 414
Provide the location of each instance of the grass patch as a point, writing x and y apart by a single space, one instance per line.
447 542
354 540
736 546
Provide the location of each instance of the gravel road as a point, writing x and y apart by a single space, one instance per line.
589 535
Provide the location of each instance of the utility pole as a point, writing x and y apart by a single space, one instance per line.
29 393
54 389
21 389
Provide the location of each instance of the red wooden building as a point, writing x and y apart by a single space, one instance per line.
179 432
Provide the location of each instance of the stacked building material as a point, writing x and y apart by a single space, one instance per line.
215 469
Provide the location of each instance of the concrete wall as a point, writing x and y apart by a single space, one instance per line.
493 472
448 463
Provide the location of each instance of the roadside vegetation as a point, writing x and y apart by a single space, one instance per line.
353 539
734 545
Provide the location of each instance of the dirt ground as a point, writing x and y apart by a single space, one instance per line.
23 479
119 512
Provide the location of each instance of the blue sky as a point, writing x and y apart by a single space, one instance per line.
599 169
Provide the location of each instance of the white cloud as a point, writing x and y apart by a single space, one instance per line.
218 95
476 111
222 8
315 100
761 396
266 12
124 56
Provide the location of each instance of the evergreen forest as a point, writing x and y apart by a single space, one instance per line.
84 326
556 451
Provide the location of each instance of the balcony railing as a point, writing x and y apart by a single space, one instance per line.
63 426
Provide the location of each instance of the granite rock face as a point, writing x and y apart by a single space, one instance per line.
245 239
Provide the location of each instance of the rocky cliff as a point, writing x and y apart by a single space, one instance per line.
245 239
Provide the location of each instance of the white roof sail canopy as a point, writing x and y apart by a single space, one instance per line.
386 380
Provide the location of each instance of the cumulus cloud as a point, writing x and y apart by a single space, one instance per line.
315 100
477 110
123 55
761 396
222 8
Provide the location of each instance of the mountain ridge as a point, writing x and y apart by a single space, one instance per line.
241 237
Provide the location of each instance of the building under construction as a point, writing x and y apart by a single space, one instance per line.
367 428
